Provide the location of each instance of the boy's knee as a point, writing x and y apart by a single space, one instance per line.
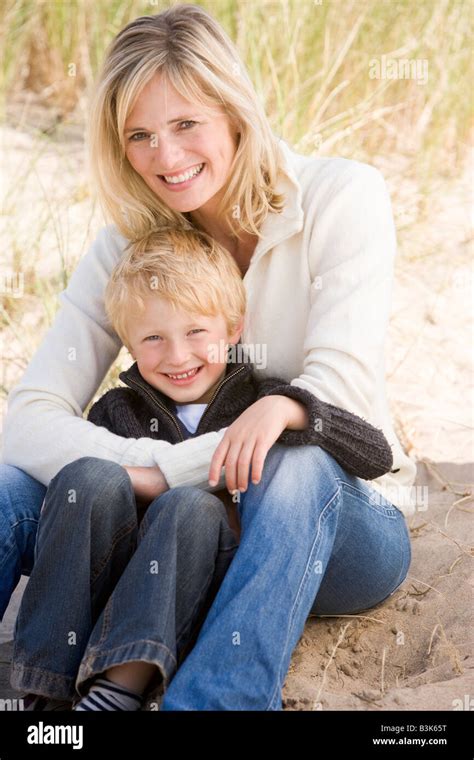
88 470
93 482
188 504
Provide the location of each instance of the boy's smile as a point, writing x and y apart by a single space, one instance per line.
172 349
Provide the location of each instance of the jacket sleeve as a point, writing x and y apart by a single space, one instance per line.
360 448
44 429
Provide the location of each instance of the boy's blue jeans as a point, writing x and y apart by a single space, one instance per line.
104 591
313 540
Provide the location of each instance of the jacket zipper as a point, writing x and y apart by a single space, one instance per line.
215 394
158 403
170 415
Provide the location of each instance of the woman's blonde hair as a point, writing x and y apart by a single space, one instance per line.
188 268
190 48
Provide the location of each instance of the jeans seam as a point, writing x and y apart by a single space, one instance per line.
335 499
201 598
95 652
105 627
402 537
23 520
119 536
386 511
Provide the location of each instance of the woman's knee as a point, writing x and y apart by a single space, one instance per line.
296 465
296 481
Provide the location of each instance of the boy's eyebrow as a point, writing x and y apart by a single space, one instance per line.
153 331
172 121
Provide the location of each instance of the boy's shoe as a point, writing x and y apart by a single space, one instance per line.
33 702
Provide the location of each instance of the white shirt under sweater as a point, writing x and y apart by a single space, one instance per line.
319 289
190 415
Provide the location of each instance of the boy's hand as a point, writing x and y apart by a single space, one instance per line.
247 441
147 482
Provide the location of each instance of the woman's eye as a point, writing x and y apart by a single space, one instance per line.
139 135
152 337
197 330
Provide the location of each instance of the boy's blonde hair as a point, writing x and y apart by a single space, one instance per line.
187 267
191 50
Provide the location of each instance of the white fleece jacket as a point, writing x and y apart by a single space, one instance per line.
319 297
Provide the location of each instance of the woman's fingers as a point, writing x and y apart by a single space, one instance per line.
243 465
258 460
217 461
237 455
230 465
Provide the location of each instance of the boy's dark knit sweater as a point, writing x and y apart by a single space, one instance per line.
140 410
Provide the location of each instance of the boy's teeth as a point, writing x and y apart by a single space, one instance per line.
182 177
185 374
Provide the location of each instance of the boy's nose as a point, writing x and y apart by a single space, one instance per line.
177 356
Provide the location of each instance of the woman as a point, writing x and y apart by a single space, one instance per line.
177 135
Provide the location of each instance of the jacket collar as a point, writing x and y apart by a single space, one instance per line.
235 372
278 227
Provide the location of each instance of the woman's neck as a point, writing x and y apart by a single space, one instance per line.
241 248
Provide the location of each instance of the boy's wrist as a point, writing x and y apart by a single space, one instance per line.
147 482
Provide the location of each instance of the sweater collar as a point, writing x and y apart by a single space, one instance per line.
235 372
278 227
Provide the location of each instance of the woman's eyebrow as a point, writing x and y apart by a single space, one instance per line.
172 121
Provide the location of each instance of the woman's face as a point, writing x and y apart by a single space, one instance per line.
168 139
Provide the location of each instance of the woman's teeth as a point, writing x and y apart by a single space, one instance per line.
185 176
190 373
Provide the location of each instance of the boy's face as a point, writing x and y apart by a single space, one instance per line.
166 341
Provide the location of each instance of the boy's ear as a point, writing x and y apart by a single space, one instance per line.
235 337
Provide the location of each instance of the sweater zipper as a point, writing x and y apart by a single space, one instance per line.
158 403
170 415
233 374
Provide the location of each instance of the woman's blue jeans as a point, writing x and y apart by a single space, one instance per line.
314 540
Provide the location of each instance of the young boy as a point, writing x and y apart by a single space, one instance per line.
177 301
168 280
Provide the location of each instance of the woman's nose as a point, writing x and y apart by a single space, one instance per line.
166 154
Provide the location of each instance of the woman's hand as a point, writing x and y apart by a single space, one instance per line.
147 482
248 440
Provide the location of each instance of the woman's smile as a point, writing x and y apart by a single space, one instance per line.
182 180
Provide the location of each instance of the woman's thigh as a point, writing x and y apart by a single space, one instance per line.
371 553
21 497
